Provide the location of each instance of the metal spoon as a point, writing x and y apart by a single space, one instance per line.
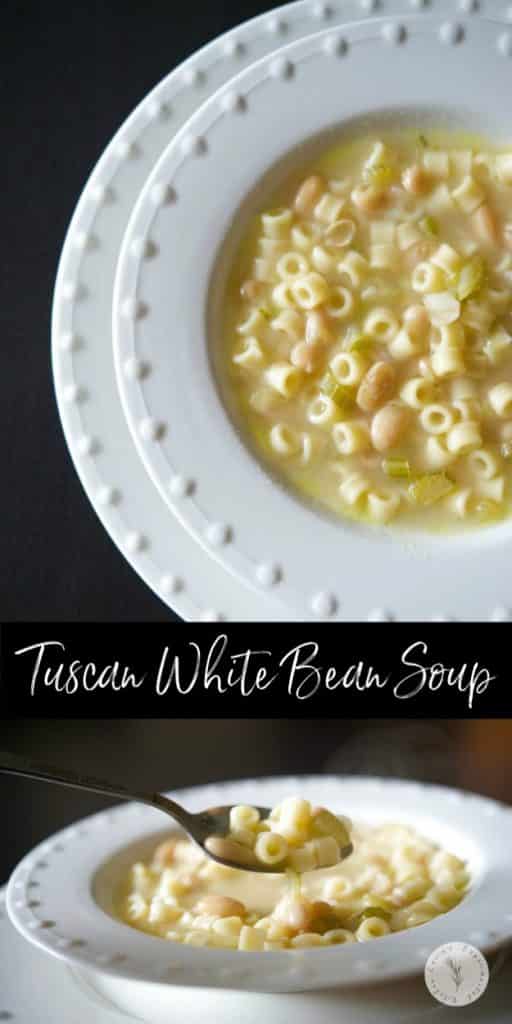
207 828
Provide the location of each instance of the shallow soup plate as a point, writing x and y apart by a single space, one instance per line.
177 251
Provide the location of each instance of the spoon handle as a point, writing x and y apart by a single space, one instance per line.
12 764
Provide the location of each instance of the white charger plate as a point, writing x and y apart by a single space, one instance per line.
167 306
61 895
57 994
171 563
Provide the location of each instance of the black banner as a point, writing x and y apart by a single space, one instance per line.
294 670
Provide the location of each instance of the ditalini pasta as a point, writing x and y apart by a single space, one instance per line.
395 879
368 332
294 835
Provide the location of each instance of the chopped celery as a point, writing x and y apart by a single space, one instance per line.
452 283
430 488
429 226
471 278
380 176
397 469
357 341
361 343
341 395
265 312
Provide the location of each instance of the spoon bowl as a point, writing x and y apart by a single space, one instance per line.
209 829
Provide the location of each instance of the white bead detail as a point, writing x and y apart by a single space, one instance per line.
193 145
81 240
218 534
234 48
142 249
281 68
73 394
233 103
380 615
171 584
268 574
135 542
180 487
158 110
125 149
451 33
336 46
99 193
394 33
151 430
70 290
324 605
136 369
132 309
210 615
322 10
370 5
69 342
128 308
137 247
87 445
277 26
108 496
193 76
163 194
505 44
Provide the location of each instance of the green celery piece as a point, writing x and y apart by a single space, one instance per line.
359 342
265 312
431 487
471 278
430 226
397 469
381 175
342 396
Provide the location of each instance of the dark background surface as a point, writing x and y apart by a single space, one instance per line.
71 75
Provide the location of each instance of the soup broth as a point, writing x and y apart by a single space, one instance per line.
367 338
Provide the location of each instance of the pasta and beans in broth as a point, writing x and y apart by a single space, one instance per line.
369 328
394 879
